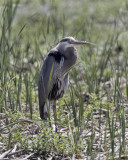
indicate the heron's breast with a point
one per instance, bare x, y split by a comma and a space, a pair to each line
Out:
59, 88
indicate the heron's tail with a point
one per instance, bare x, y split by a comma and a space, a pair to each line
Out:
44, 103
42, 100
45, 110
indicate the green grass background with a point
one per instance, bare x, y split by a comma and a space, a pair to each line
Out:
28, 30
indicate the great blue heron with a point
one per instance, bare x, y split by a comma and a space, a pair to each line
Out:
54, 74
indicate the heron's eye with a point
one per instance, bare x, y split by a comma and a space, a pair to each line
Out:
69, 41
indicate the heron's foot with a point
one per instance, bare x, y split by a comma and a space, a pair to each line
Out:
55, 128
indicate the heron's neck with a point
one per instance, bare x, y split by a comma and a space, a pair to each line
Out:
70, 57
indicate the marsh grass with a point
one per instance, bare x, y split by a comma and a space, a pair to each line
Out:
94, 124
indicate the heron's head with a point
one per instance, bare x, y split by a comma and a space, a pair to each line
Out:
71, 42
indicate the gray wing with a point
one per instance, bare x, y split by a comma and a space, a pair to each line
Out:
47, 78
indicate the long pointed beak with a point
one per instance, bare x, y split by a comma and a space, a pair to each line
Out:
82, 43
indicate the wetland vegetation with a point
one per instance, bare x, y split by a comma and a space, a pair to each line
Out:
93, 114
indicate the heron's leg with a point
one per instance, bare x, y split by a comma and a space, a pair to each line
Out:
54, 112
